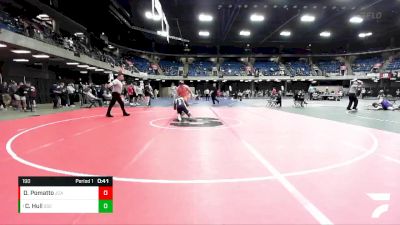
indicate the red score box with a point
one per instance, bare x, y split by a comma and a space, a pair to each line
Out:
105, 193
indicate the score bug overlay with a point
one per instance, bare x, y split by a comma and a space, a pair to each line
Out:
65, 195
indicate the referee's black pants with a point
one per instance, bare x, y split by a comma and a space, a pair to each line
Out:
116, 97
214, 99
352, 98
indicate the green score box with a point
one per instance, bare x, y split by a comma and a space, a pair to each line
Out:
105, 206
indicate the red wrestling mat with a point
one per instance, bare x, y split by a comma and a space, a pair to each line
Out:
259, 167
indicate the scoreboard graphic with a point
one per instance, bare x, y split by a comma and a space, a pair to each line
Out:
65, 195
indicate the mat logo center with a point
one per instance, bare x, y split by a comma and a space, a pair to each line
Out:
197, 122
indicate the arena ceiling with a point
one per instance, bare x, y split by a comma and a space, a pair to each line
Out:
125, 22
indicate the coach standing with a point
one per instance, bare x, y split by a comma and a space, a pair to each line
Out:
116, 94
354, 86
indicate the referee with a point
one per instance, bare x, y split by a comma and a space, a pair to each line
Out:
116, 94
355, 85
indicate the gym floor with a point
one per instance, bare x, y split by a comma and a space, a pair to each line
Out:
314, 165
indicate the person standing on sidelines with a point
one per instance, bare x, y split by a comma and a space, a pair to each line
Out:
214, 94
116, 86
207, 94
311, 91
354, 86
173, 91
148, 93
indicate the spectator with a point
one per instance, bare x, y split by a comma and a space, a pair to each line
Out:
311, 91
71, 95
273, 93
12, 88
139, 93
148, 92
3, 92
207, 94
131, 92
92, 98
240, 95
279, 98
63, 95
107, 95
155, 93
6, 95
79, 89
55, 95
31, 96
20, 96
363, 93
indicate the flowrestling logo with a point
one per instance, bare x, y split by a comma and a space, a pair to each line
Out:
197, 122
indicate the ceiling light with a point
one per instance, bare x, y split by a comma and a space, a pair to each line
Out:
21, 51
245, 33
149, 15
78, 34
99, 70
83, 66
111, 47
286, 33
91, 68
205, 17
204, 33
356, 19
325, 34
41, 56
307, 18
257, 18
3, 45
20, 60
84, 72
43, 17
162, 33
72, 63
363, 35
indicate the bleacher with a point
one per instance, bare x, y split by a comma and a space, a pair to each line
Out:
141, 64
299, 68
170, 68
9, 23
266, 68
394, 65
365, 64
329, 66
232, 68
43, 32
200, 68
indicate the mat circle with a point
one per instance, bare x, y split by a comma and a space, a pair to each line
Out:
197, 122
